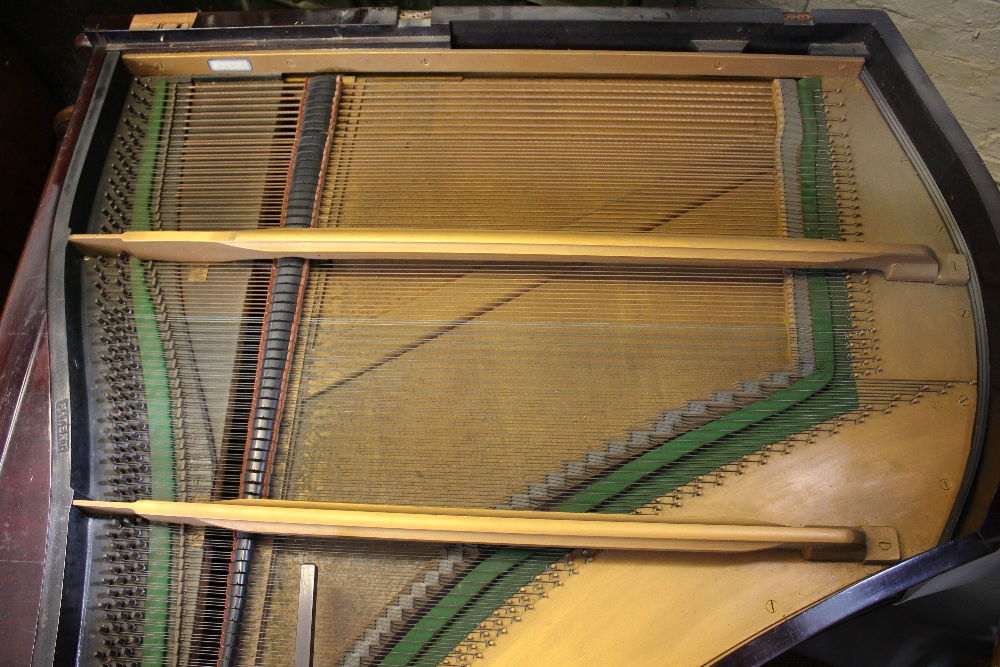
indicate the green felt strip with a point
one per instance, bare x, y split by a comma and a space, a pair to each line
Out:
481, 591
819, 205
157, 391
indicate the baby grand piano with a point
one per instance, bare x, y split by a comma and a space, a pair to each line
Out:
495, 336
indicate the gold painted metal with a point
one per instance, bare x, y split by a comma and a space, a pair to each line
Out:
908, 262
537, 529
172, 21
631, 64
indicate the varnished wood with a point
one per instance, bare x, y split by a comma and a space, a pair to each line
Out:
908, 262
538, 529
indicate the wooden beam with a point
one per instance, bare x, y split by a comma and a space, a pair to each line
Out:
908, 262
535, 529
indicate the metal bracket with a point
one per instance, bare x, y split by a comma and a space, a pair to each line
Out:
720, 45
881, 547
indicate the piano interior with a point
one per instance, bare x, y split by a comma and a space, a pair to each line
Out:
721, 392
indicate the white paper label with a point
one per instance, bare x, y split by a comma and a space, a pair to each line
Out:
230, 65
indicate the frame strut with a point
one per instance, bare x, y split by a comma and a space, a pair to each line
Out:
872, 544
908, 262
